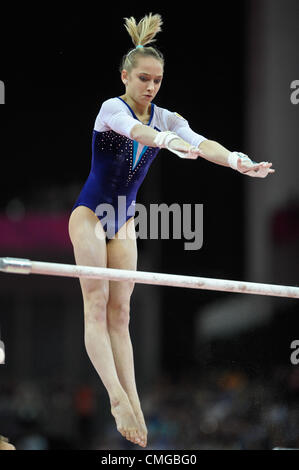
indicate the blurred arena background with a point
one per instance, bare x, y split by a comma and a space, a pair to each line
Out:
214, 370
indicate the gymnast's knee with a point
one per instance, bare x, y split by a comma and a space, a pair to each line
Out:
95, 309
118, 315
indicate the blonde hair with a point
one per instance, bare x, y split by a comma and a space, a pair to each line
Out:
141, 34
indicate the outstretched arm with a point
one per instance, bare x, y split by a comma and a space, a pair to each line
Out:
208, 149
170, 140
216, 153
114, 116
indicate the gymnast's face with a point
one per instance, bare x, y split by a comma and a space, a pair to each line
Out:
144, 80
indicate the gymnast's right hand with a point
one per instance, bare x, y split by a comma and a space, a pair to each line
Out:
176, 145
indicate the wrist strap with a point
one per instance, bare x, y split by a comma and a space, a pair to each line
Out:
234, 157
164, 138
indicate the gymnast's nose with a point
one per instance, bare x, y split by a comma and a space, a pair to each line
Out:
150, 86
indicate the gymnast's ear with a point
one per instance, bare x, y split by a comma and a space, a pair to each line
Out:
124, 76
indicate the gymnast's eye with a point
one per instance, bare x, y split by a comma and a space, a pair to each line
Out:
145, 79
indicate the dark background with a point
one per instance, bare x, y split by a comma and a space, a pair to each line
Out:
58, 67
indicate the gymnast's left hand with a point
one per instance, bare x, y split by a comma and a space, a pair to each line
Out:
255, 170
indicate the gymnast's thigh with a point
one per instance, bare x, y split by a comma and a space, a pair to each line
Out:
122, 254
89, 243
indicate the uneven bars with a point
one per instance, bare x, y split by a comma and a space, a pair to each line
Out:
25, 266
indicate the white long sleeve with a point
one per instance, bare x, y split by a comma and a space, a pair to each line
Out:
115, 116
180, 126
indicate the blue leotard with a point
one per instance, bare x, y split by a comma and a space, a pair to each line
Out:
119, 164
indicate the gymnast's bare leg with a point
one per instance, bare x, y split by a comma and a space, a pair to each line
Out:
122, 254
90, 250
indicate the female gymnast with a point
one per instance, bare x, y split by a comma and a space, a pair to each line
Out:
128, 133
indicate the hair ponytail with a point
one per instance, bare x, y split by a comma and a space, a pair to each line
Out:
142, 34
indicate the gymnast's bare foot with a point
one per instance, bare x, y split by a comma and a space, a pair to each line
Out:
141, 423
126, 422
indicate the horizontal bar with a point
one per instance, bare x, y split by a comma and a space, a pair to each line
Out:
25, 266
